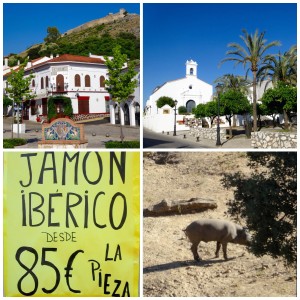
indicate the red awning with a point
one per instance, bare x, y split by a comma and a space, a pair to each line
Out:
83, 97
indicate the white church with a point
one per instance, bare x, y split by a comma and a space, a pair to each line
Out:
188, 91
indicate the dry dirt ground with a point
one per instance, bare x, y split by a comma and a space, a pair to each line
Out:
169, 269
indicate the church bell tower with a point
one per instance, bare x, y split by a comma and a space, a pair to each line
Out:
191, 68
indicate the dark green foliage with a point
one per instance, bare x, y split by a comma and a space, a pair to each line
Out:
267, 200
182, 110
124, 144
53, 35
281, 99
11, 143
14, 59
65, 101
233, 102
34, 52
200, 111
7, 101
130, 45
68, 109
51, 108
165, 100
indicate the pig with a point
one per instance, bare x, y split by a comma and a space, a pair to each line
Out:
221, 231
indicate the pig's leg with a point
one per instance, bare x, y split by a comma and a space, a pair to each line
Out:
194, 250
224, 247
218, 248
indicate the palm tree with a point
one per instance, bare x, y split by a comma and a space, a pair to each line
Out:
281, 68
254, 54
234, 82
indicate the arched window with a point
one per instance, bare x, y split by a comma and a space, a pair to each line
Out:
102, 81
33, 83
42, 83
191, 71
87, 81
77, 80
47, 81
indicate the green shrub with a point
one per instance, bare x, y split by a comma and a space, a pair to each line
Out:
7, 145
124, 144
165, 100
67, 105
182, 110
11, 143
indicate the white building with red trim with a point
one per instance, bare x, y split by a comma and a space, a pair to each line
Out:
80, 78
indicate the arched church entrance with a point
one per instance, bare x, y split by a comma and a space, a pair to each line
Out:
190, 105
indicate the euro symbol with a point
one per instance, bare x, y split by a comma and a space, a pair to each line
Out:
69, 268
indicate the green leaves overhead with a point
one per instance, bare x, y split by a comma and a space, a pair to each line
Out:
120, 83
18, 85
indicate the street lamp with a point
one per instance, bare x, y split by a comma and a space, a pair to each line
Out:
218, 89
175, 102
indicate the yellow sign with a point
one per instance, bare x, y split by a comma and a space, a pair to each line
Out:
71, 223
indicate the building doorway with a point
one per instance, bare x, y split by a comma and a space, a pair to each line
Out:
126, 114
190, 105
84, 105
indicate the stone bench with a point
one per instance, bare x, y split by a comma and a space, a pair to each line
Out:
63, 133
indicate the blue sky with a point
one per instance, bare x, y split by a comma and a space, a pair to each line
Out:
26, 24
174, 33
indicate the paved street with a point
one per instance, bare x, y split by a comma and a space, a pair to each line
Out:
160, 140
96, 132
101, 131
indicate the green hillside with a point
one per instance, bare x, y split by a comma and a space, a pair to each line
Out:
98, 40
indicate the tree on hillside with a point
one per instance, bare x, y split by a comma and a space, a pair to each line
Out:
18, 89
254, 55
120, 83
53, 35
267, 200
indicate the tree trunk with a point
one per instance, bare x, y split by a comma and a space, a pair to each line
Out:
254, 102
286, 119
121, 126
247, 126
13, 119
234, 121
18, 120
230, 127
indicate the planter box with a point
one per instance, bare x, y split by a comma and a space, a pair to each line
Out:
22, 128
